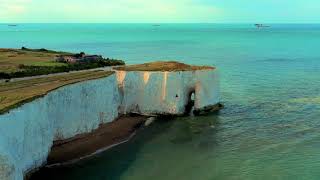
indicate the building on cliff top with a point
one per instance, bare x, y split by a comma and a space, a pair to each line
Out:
81, 58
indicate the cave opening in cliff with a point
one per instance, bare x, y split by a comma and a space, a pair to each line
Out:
190, 103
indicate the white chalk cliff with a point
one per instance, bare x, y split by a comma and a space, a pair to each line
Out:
153, 93
27, 132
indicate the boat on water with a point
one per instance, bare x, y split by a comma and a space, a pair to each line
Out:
12, 25
261, 25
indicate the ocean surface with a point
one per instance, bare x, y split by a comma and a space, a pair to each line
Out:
270, 86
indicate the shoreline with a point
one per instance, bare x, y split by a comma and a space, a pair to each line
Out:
84, 146
84, 119
91, 155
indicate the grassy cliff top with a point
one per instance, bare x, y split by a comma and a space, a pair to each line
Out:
163, 66
11, 59
14, 94
24, 62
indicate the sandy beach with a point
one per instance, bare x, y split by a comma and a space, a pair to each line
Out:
83, 145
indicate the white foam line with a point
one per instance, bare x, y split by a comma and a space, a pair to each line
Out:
90, 155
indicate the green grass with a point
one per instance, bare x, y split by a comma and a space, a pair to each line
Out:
49, 63
16, 63
10, 59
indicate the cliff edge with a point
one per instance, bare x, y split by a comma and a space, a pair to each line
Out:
75, 108
167, 88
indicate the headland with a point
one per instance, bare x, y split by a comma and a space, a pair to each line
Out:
62, 118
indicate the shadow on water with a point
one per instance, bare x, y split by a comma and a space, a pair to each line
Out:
112, 164
108, 165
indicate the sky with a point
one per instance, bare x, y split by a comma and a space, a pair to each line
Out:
160, 11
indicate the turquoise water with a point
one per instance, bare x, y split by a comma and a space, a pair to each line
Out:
269, 129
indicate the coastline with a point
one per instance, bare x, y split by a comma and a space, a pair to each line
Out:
87, 145
85, 118
269, 78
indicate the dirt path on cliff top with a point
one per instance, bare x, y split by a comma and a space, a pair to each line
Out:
108, 68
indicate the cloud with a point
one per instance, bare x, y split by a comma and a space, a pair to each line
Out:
157, 11
12, 8
109, 11
138, 11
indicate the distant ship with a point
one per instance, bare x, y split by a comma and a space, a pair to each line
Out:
261, 26
156, 25
12, 25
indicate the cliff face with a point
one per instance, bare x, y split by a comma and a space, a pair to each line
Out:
27, 133
154, 93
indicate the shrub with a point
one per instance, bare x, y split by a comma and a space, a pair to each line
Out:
44, 70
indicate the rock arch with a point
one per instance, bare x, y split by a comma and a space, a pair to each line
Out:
190, 101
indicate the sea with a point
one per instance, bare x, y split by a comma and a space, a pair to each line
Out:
270, 87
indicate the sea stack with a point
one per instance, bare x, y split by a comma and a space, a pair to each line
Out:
167, 88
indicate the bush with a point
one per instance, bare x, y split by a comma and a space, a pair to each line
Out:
4, 75
44, 70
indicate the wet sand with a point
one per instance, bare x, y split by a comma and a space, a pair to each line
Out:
69, 151
84, 145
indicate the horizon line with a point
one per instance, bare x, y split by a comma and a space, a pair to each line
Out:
159, 22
